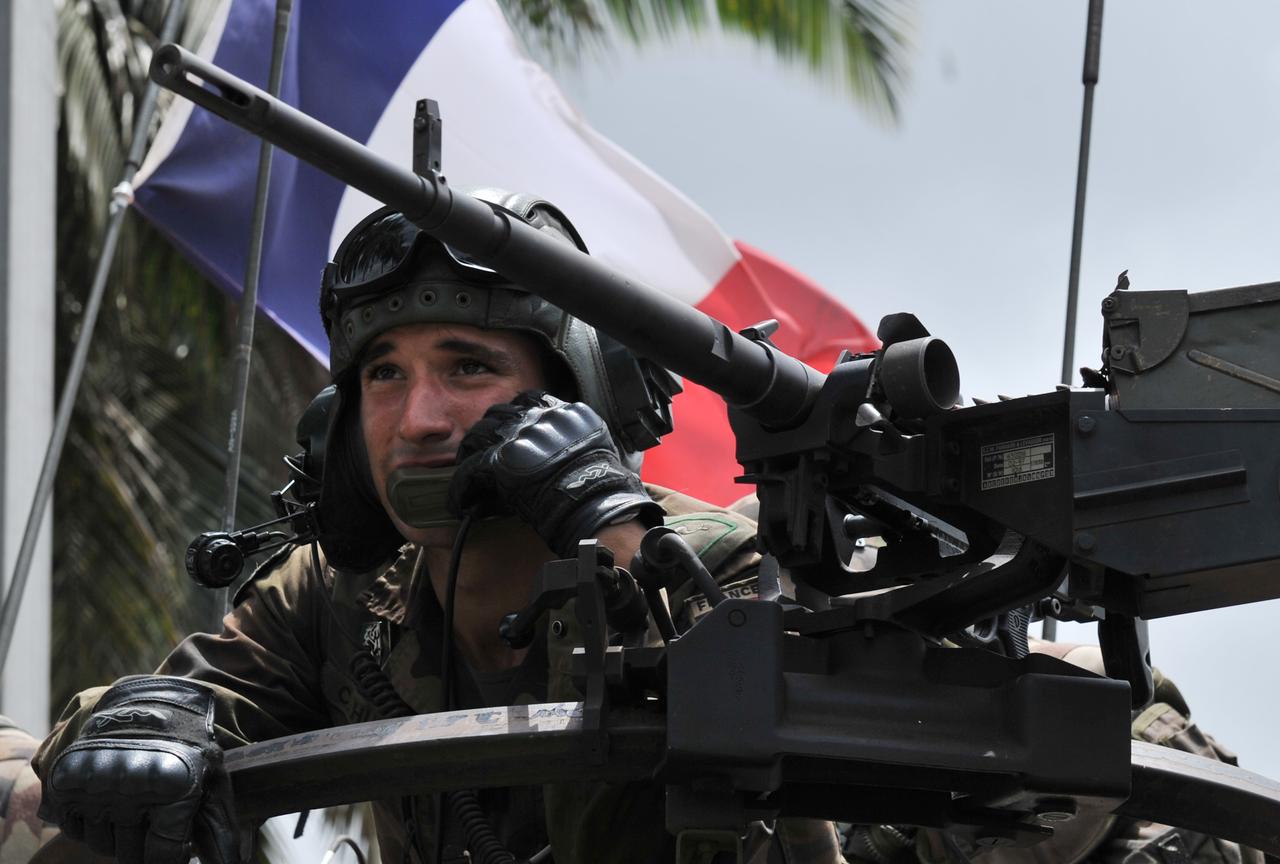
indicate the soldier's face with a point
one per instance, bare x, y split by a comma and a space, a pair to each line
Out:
422, 386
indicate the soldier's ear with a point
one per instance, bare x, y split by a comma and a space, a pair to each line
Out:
356, 533
556, 377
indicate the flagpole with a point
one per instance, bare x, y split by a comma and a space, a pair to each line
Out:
121, 199
1092, 52
243, 356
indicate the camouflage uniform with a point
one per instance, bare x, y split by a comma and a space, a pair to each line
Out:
23, 833
282, 665
1107, 840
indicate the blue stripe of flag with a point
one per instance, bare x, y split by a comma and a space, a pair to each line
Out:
343, 63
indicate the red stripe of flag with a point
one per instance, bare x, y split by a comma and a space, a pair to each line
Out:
698, 457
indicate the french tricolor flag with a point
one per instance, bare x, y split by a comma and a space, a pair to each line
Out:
361, 67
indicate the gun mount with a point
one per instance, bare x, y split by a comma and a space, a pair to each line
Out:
1118, 504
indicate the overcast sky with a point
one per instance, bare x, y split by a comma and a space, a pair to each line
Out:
961, 212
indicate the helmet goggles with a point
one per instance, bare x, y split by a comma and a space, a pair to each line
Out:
383, 251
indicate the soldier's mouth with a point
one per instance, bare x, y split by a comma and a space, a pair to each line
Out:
443, 462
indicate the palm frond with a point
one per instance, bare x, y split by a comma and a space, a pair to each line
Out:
557, 26
657, 18
862, 45
143, 468
877, 39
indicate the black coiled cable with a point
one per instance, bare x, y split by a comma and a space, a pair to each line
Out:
376, 687
464, 804
482, 842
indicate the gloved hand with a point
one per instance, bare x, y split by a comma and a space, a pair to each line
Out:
144, 781
553, 463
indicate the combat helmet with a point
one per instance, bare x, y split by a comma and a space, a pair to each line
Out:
387, 273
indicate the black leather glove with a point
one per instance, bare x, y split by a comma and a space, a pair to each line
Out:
144, 781
555, 465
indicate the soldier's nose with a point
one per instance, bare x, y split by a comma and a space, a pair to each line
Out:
426, 413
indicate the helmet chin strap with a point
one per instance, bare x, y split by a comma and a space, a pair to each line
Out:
419, 496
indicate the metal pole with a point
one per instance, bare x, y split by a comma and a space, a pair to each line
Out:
121, 198
6, 171
1092, 51
243, 355
28, 135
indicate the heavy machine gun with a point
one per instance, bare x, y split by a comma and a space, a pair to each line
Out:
1154, 493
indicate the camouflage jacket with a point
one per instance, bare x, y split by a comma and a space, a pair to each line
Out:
23, 831
282, 665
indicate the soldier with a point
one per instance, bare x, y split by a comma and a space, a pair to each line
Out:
442, 371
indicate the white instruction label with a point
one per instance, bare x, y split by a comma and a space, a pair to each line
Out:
1013, 462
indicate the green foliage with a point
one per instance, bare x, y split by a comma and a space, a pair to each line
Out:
142, 472
863, 43
859, 44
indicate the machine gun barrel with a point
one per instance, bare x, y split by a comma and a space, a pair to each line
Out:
771, 386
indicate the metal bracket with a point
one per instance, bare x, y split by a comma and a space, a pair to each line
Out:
761, 331
1126, 653
708, 822
554, 586
426, 138
590, 611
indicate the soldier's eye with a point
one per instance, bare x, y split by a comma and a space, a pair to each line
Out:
379, 372
473, 367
